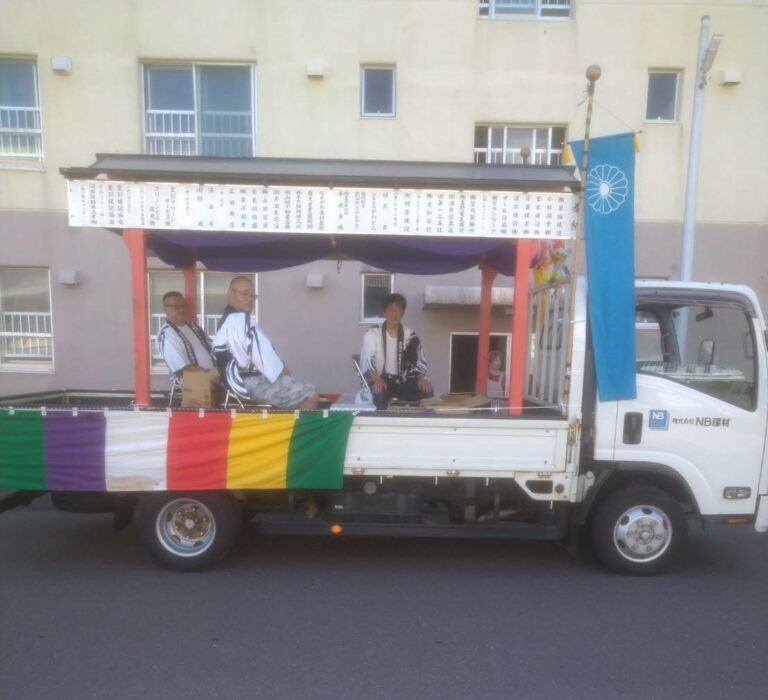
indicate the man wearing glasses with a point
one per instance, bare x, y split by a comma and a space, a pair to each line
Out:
183, 344
248, 363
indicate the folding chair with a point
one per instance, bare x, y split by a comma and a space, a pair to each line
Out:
360, 375
241, 402
231, 395
175, 387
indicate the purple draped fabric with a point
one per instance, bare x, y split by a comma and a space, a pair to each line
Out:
74, 451
418, 255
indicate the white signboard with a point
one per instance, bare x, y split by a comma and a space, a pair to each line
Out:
258, 208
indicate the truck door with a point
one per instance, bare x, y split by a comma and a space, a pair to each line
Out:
700, 407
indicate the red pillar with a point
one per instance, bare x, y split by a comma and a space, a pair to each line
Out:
135, 240
484, 331
525, 251
190, 292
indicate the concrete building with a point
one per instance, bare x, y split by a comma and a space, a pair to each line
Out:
429, 80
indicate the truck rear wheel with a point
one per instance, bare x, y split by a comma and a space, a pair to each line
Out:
638, 530
190, 532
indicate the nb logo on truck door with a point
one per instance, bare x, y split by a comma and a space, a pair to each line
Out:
658, 420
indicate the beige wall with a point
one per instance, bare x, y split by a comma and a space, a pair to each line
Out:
91, 320
453, 70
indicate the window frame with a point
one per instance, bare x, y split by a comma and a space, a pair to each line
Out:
489, 150
363, 275
378, 66
674, 363
506, 335
492, 14
48, 367
194, 67
678, 73
20, 160
157, 366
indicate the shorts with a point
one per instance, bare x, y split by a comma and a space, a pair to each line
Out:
284, 392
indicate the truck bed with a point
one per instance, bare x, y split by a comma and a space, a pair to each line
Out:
124, 399
438, 446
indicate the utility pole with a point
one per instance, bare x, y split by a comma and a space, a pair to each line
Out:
707, 51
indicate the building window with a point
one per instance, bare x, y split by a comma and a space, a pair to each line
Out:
377, 91
205, 110
504, 144
26, 326
462, 362
375, 286
211, 300
526, 9
21, 135
663, 96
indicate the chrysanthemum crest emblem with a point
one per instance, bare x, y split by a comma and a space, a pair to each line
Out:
607, 188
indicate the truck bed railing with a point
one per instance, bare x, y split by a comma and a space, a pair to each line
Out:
548, 318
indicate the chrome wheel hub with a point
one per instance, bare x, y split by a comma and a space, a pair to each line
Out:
642, 533
185, 527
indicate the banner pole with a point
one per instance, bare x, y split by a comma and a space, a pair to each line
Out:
593, 75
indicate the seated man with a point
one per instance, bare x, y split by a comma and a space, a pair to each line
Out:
249, 364
392, 358
183, 344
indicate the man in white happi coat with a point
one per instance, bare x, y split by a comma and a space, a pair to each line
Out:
392, 358
182, 343
248, 362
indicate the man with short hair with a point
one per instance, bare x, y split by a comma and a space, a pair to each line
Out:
392, 358
182, 343
249, 364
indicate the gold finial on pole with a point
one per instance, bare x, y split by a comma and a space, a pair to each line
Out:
593, 73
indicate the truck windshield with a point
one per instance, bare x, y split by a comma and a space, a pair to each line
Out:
709, 348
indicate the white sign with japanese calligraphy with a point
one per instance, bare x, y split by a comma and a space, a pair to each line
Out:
258, 208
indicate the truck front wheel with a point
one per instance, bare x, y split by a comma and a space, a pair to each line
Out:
190, 532
638, 530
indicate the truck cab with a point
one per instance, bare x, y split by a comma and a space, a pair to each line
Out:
697, 428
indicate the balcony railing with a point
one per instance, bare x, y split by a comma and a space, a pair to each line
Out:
26, 337
209, 323
226, 133
510, 156
543, 9
20, 132
170, 132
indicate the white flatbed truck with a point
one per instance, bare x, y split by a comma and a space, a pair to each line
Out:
552, 462
631, 473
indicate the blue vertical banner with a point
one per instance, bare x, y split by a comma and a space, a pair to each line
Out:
609, 232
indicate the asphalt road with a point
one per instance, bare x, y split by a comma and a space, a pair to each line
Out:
84, 613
